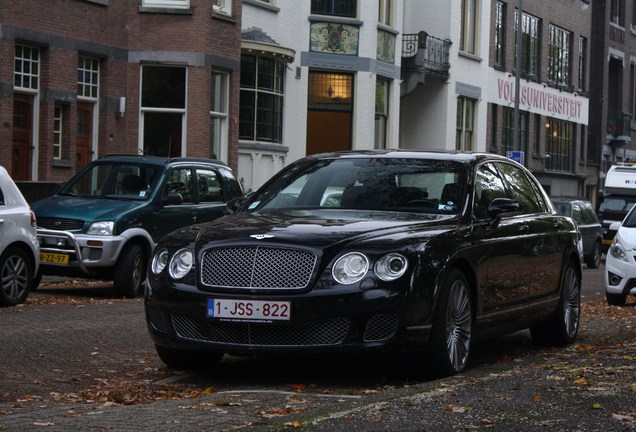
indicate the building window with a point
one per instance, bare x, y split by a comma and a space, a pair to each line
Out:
632, 88
530, 44
178, 4
58, 135
345, 8
617, 12
26, 73
163, 107
465, 123
381, 112
582, 63
222, 6
88, 78
261, 111
330, 91
500, 34
218, 116
559, 56
508, 130
469, 31
559, 141
385, 14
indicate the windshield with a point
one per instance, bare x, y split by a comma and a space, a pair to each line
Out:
114, 180
409, 185
617, 204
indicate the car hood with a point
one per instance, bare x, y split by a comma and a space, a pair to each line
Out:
86, 209
627, 237
319, 228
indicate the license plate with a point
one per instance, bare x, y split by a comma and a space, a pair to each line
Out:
53, 258
249, 309
606, 241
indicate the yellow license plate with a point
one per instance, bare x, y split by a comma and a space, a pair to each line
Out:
53, 258
606, 241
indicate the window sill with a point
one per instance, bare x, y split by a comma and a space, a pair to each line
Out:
470, 56
223, 17
165, 10
340, 20
262, 5
99, 2
62, 163
261, 146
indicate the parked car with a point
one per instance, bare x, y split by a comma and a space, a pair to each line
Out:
620, 263
370, 250
591, 230
19, 249
104, 222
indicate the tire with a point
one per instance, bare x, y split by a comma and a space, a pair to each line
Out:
130, 272
594, 260
452, 332
562, 326
615, 299
186, 359
36, 281
16, 276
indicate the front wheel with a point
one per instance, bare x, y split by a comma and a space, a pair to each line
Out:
130, 271
186, 359
16, 276
615, 299
594, 261
452, 331
562, 326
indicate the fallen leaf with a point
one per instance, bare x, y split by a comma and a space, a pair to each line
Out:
538, 398
596, 405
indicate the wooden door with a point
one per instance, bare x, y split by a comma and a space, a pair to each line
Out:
84, 136
22, 151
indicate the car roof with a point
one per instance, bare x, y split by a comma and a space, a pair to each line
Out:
158, 160
459, 156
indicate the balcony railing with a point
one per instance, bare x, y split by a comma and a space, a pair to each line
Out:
618, 124
435, 59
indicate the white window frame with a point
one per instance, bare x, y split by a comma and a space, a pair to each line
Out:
382, 114
220, 115
385, 13
177, 4
222, 6
21, 75
466, 132
58, 131
88, 89
469, 42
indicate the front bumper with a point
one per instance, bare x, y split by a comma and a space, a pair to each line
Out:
620, 276
347, 319
84, 253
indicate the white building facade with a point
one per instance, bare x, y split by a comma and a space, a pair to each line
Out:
316, 76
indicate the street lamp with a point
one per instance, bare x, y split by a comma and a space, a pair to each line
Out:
516, 145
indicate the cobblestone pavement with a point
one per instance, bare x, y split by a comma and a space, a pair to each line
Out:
78, 359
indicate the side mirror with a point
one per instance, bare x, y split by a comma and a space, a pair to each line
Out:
614, 226
502, 207
174, 198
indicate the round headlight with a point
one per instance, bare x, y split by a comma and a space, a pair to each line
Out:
350, 268
159, 261
180, 264
390, 267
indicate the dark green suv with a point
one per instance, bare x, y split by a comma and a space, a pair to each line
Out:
105, 221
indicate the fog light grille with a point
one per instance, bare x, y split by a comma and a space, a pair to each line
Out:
318, 333
157, 319
380, 327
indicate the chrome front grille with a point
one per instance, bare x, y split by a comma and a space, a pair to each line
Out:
319, 333
60, 224
257, 267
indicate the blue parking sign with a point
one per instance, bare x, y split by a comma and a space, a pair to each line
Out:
516, 156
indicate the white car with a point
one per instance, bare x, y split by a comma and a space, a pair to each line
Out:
620, 264
19, 248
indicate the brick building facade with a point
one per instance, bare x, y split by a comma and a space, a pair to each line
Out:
83, 78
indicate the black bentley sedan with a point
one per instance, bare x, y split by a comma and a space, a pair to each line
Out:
360, 250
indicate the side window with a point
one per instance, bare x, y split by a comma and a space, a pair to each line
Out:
588, 214
521, 188
2, 198
577, 212
232, 185
209, 186
488, 186
180, 181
